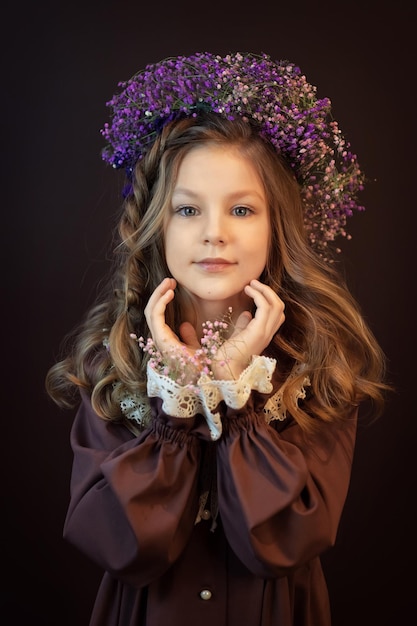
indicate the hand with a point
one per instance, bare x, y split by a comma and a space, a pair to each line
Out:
166, 341
251, 335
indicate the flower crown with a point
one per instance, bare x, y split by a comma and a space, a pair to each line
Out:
275, 95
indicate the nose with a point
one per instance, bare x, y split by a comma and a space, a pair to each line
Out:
214, 229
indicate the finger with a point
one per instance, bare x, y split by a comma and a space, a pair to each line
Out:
189, 335
155, 314
258, 289
267, 314
269, 307
242, 322
159, 299
165, 287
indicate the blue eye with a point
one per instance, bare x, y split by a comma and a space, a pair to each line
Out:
241, 211
187, 211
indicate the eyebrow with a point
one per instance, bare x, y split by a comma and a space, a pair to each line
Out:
241, 193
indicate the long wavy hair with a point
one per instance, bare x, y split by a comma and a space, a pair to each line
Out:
324, 336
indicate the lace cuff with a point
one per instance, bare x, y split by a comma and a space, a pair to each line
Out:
204, 397
275, 407
133, 405
189, 400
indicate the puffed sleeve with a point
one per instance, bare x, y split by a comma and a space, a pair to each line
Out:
281, 492
133, 499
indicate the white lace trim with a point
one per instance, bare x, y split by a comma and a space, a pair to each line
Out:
133, 405
187, 401
203, 397
275, 407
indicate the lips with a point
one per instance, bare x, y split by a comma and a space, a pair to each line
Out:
215, 264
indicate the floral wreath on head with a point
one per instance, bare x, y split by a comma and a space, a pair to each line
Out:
276, 95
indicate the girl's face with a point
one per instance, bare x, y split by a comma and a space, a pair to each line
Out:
218, 230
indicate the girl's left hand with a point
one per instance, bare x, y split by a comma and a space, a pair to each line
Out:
251, 334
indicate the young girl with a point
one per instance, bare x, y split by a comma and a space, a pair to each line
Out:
221, 372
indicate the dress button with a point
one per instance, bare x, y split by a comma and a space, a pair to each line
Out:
206, 514
205, 594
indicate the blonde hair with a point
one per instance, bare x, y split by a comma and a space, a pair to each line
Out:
324, 331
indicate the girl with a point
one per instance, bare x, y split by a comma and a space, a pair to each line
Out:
221, 371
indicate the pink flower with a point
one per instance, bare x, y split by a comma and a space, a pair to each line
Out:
186, 367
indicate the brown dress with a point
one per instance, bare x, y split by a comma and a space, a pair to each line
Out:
253, 559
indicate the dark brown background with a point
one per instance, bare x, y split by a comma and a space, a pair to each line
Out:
61, 63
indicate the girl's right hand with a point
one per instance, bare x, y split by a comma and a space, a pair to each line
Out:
166, 341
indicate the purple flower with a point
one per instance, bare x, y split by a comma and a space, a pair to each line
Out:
273, 93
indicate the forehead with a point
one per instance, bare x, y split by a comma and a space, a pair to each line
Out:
219, 165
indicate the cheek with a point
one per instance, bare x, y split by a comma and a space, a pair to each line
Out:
169, 256
259, 244
169, 243
255, 260
174, 253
